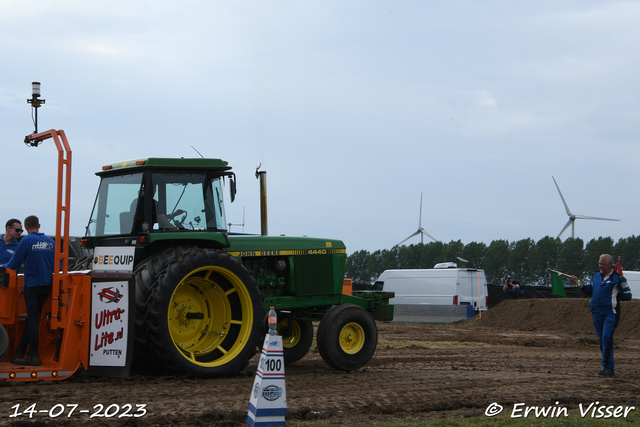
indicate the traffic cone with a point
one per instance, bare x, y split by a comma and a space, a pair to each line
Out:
268, 402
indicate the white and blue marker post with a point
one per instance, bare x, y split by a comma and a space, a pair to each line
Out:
268, 402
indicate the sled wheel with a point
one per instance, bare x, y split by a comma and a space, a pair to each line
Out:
4, 343
205, 315
347, 337
297, 340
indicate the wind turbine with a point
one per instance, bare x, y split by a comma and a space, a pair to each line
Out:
421, 231
572, 217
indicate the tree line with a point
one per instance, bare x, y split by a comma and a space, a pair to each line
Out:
525, 260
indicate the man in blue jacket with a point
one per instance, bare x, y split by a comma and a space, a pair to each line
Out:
607, 288
9, 240
36, 250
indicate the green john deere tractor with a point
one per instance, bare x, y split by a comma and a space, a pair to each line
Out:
201, 295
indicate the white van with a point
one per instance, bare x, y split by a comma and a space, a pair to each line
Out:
633, 279
437, 286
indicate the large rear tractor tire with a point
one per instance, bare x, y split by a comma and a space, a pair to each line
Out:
204, 314
146, 276
347, 337
296, 344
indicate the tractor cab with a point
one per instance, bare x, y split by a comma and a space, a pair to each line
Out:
158, 199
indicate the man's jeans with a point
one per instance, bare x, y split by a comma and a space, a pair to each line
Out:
515, 292
34, 299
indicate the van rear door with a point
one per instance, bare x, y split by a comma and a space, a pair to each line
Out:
472, 288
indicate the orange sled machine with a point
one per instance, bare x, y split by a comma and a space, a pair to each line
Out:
85, 323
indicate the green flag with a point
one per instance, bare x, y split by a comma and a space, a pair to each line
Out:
557, 287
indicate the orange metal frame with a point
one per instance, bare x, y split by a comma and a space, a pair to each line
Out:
70, 304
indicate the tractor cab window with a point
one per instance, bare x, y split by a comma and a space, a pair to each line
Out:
186, 202
110, 215
218, 204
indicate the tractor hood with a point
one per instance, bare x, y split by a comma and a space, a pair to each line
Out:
246, 246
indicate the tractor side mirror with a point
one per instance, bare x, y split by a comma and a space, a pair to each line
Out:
232, 189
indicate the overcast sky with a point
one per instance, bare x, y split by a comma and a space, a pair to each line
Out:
354, 108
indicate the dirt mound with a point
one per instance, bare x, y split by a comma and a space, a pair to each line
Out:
569, 315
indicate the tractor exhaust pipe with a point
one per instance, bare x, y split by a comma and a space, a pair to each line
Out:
262, 176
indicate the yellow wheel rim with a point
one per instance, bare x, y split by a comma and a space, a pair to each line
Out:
210, 316
352, 338
296, 333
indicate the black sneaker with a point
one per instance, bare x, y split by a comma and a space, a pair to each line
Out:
29, 360
607, 372
19, 355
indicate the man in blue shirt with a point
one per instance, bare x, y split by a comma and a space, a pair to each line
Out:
36, 250
607, 288
9, 241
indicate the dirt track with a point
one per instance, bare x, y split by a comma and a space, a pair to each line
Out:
536, 352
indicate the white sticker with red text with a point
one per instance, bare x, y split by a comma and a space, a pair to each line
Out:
109, 322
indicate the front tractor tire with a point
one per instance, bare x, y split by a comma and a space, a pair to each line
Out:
296, 340
204, 314
347, 337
